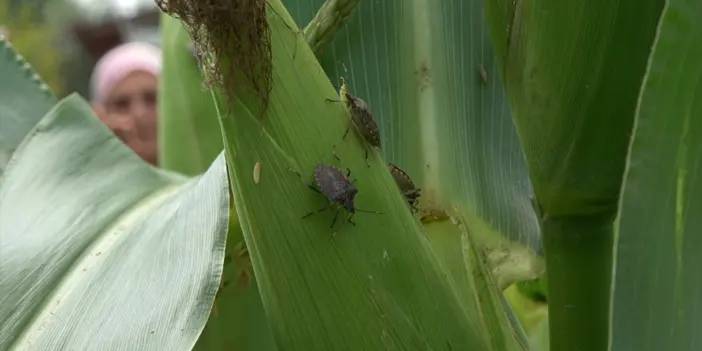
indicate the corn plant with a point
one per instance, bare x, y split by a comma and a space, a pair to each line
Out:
542, 134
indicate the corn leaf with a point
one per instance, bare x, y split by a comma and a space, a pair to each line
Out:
190, 138
189, 135
372, 285
657, 287
24, 99
481, 296
237, 320
99, 250
428, 72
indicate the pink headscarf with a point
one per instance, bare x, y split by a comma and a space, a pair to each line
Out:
119, 62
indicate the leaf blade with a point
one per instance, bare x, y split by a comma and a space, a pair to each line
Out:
370, 286
573, 72
24, 99
188, 131
75, 226
657, 247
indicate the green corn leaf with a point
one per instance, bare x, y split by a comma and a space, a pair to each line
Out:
189, 135
372, 285
24, 99
571, 79
190, 138
481, 297
657, 287
237, 320
573, 72
533, 313
99, 250
428, 72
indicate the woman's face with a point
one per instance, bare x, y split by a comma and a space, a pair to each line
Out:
130, 110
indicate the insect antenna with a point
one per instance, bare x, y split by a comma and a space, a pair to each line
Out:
368, 211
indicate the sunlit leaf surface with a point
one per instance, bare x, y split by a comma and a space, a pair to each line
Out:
98, 250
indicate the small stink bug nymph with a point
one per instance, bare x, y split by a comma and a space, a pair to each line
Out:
338, 189
361, 117
406, 185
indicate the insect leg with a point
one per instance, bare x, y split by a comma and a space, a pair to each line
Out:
318, 211
348, 175
334, 153
346, 132
314, 188
336, 214
350, 219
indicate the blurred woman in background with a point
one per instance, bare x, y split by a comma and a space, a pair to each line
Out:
124, 89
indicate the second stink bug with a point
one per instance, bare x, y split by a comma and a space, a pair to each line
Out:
406, 185
361, 117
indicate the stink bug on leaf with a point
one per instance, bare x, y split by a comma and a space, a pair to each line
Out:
406, 185
338, 189
361, 117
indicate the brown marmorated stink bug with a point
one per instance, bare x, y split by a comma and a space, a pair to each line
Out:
406, 185
338, 189
361, 117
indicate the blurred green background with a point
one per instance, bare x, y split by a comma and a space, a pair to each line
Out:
62, 39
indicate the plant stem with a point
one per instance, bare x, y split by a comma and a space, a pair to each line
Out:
579, 268
331, 16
